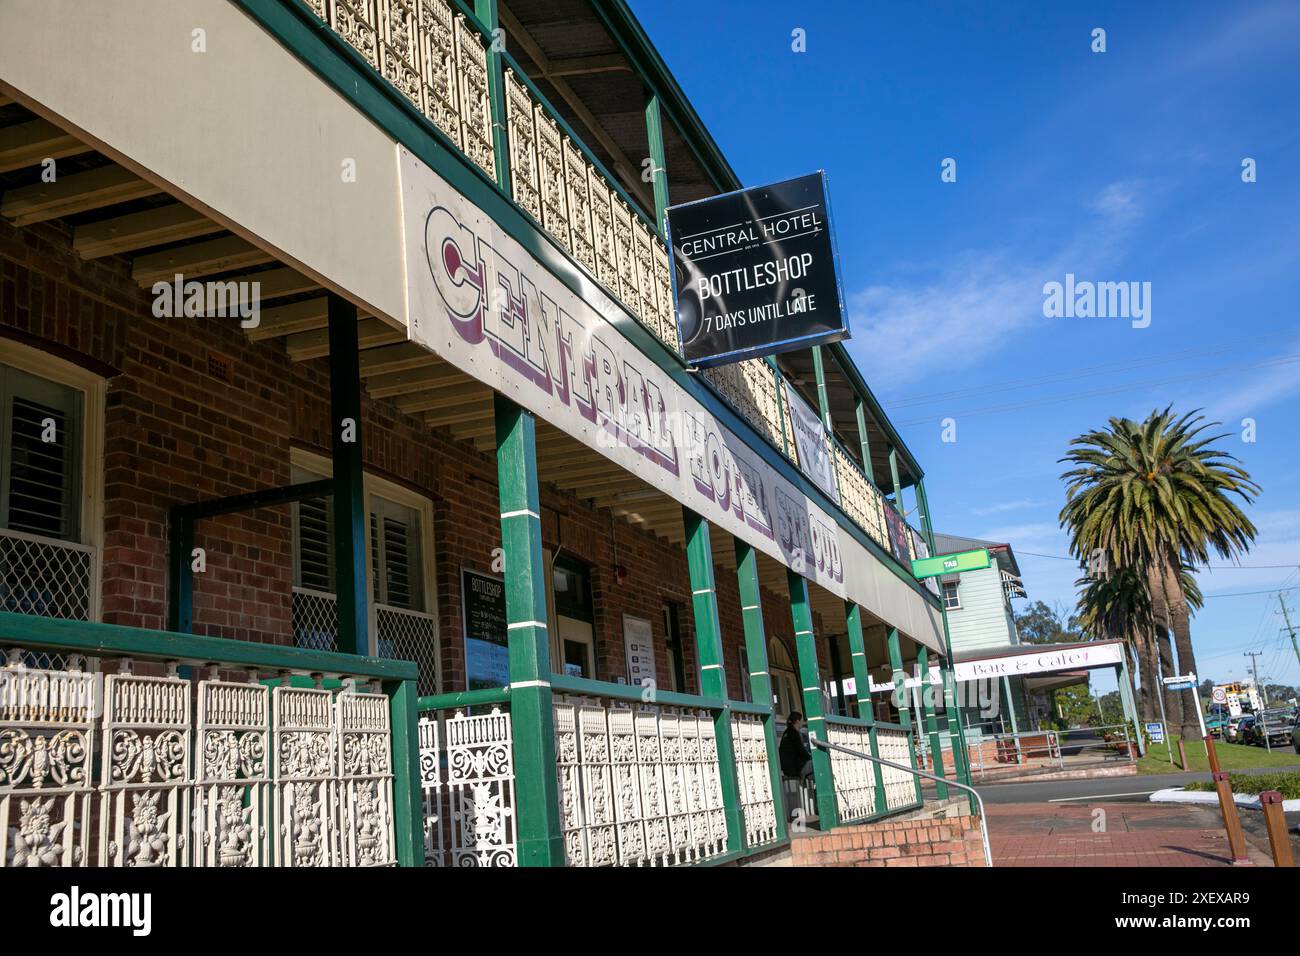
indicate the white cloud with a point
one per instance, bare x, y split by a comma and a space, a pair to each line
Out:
1018, 505
974, 302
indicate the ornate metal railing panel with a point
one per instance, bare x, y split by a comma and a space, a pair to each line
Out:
860, 498
145, 789
855, 778
469, 805
140, 770
431, 55
900, 786
47, 725
751, 388
306, 784
638, 785
232, 785
45, 576
754, 775
365, 780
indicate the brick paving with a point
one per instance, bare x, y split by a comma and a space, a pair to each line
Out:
1061, 834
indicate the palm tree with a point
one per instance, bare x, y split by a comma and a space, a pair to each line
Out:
1118, 605
1157, 498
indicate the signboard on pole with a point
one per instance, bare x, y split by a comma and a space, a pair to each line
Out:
755, 272
1156, 731
811, 443
951, 563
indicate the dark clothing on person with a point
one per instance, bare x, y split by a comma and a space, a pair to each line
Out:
795, 757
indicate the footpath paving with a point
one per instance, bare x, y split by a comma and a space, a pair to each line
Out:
1126, 834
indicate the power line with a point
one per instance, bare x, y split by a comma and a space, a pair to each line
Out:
1206, 567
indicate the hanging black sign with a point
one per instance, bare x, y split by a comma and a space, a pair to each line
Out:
755, 272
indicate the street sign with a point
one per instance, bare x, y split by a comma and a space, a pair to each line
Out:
1219, 695
951, 563
1181, 681
755, 272
1156, 731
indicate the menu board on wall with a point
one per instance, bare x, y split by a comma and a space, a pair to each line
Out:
639, 642
487, 659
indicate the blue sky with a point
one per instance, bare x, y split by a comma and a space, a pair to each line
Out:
1116, 166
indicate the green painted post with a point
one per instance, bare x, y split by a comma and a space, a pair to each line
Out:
898, 487
859, 408
810, 679
537, 805
486, 11
659, 167
760, 679
862, 687
931, 721
349, 487
713, 676
824, 407
1126, 699
900, 694
408, 803
780, 403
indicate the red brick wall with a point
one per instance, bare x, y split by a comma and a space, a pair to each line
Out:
954, 841
175, 433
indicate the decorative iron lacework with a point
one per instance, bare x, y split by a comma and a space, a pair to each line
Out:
232, 786
637, 785
329, 803
47, 724
469, 805
754, 775
900, 786
145, 789
855, 778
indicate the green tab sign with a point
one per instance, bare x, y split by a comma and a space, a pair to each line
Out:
951, 563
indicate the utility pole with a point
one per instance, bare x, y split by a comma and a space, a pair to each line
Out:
1286, 615
1259, 718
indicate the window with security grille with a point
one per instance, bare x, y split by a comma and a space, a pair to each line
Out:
403, 626
40, 468
44, 568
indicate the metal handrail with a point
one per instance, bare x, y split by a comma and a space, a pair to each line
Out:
984, 828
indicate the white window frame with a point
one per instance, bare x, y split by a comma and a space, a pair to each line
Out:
93, 388
956, 591
375, 486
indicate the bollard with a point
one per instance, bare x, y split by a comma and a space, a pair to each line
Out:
1275, 822
1231, 823
1182, 754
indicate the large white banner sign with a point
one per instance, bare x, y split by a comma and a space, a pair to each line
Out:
480, 300
1015, 665
811, 443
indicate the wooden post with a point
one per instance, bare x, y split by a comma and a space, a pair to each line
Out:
1279, 840
1231, 822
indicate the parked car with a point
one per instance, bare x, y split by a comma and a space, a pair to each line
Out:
1295, 734
1216, 722
1245, 729
1276, 724
1231, 732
